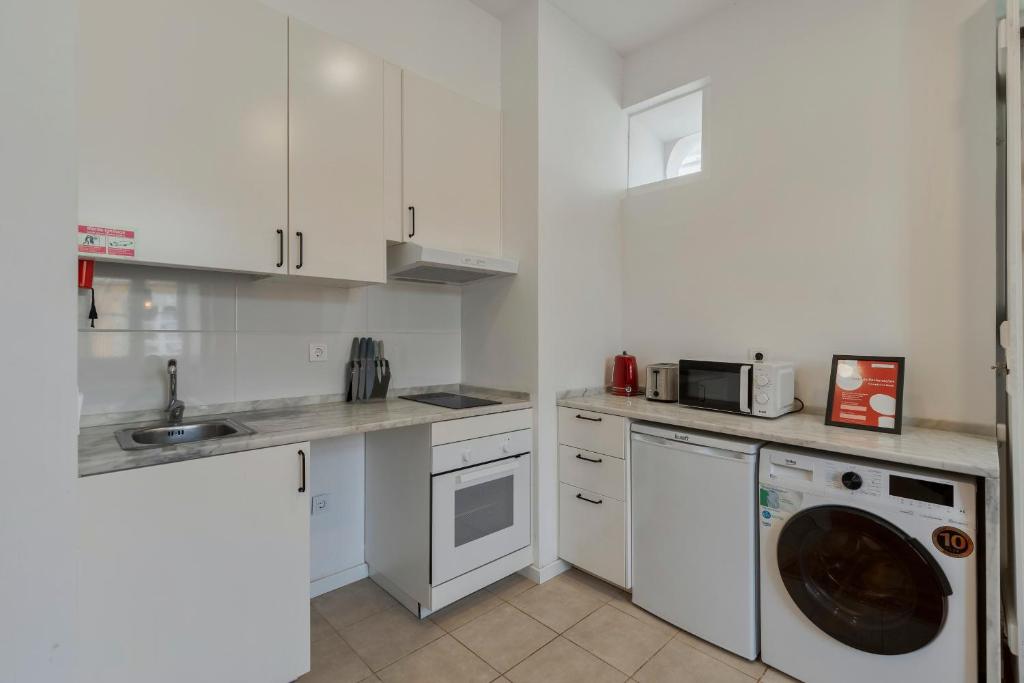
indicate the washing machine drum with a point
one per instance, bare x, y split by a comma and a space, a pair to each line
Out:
862, 580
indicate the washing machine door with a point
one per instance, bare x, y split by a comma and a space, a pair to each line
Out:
862, 580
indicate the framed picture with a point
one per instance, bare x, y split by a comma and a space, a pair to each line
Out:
866, 392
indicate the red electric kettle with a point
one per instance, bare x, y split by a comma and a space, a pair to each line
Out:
624, 375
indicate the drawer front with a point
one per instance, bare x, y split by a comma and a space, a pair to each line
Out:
592, 535
594, 432
592, 471
465, 428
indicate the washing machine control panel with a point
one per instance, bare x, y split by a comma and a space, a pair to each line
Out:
855, 479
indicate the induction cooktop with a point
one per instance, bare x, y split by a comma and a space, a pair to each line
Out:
449, 400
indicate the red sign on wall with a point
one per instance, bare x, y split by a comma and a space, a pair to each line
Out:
866, 393
106, 241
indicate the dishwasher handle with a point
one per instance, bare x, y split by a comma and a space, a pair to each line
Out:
720, 453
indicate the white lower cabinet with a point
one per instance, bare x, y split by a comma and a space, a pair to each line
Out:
591, 532
594, 494
196, 571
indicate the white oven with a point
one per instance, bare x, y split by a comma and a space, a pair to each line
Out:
480, 502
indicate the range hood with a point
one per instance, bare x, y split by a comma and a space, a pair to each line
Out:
417, 263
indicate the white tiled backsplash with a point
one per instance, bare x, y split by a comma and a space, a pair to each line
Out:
241, 339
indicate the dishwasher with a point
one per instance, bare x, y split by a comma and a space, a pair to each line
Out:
695, 532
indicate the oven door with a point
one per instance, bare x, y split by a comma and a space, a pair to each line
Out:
479, 514
717, 386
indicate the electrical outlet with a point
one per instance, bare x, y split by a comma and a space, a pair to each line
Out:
757, 354
321, 504
317, 353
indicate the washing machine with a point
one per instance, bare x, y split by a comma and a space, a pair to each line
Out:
868, 571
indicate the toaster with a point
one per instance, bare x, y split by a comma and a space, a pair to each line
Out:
663, 382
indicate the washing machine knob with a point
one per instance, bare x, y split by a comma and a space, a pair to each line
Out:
852, 480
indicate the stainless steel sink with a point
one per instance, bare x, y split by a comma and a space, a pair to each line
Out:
158, 436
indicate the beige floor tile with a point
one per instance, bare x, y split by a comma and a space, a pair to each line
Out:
560, 602
332, 660
643, 615
445, 659
677, 662
753, 669
465, 610
511, 586
617, 638
387, 636
319, 628
504, 636
352, 603
773, 676
563, 662
610, 591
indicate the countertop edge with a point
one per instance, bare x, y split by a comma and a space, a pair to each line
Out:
269, 439
774, 432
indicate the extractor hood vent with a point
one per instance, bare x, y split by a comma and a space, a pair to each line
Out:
416, 263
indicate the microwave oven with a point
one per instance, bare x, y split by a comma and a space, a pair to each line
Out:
762, 389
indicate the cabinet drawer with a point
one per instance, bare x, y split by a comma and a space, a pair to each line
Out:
595, 432
592, 535
606, 476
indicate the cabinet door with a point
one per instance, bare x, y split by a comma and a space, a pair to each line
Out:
592, 532
451, 169
196, 571
336, 182
183, 129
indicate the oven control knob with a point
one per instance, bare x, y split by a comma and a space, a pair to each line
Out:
852, 480
761, 380
761, 397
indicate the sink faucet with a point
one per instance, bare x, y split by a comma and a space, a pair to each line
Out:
175, 408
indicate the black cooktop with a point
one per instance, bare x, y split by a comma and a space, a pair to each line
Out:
453, 401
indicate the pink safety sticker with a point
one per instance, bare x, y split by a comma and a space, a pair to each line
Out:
109, 241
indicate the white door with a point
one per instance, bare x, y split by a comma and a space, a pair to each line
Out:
451, 169
478, 515
183, 108
336, 134
196, 571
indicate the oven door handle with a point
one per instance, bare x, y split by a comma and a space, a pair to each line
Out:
489, 473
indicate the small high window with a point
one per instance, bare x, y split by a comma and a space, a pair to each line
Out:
665, 136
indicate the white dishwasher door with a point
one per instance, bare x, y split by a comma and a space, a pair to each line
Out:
695, 534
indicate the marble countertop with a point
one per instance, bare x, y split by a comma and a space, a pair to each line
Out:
932, 448
99, 453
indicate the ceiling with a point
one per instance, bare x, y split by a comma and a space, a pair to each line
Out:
626, 25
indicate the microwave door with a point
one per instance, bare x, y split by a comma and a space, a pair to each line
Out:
746, 373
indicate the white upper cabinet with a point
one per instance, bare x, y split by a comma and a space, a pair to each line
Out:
183, 110
336, 167
451, 169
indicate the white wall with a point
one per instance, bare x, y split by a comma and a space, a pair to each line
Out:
336, 468
582, 173
238, 339
499, 316
38, 463
848, 200
452, 42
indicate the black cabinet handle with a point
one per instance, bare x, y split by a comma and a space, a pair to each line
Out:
299, 264
302, 464
594, 460
582, 497
588, 419
412, 231
280, 248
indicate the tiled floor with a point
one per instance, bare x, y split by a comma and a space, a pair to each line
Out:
572, 628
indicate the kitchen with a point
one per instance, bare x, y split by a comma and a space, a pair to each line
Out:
834, 193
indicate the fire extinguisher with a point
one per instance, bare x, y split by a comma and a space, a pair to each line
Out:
86, 269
